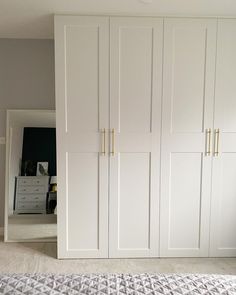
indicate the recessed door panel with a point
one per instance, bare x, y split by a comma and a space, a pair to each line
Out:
225, 108
227, 202
134, 193
135, 89
82, 78
135, 100
84, 201
188, 78
223, 217
185, 200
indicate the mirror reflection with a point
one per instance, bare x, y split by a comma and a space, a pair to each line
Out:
31, 180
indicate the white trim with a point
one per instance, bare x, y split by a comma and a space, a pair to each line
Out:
6, 177
149, 15
2, 140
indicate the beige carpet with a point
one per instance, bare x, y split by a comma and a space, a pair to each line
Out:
41, 257
32, 227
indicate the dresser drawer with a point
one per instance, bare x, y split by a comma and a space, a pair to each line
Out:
31, 189
25, 181
33, 181
31, 206
31, 197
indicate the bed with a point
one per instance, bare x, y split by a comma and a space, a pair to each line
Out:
117, 284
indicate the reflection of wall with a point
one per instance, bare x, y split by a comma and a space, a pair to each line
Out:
16, 139
17, 120
26, 82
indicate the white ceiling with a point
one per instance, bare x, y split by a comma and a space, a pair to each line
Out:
34, 18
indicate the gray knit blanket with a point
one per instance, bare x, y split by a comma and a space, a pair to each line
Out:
173, 284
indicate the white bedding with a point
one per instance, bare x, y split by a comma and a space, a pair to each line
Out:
172, 284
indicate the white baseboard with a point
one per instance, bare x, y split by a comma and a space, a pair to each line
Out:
1, 231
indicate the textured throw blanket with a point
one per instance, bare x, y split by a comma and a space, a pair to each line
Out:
117, 284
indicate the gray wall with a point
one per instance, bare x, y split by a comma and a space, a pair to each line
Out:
26, 82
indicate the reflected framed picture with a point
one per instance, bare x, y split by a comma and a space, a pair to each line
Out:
28, 168
42, 168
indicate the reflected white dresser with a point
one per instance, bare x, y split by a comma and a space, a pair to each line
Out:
31, 194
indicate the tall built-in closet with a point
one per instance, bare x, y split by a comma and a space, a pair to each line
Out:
198, 154
109, 83
146, 136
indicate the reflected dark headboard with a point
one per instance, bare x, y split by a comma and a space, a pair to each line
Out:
39, 145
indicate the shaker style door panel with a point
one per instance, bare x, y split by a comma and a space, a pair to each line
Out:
82, 101
188, 94
135, 111
223, 217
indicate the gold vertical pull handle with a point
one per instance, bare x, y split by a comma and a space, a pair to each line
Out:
216, 142
208, 142
103, 142
113, 142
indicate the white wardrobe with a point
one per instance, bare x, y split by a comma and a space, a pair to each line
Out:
198, 170
108, 75
146, 142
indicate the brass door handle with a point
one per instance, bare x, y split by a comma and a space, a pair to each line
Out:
113, 142
103, 142
216, 142
208, 142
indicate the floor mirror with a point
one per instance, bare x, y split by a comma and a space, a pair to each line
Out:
31, 180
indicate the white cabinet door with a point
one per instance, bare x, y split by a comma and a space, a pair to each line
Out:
135, 106
82, 100
188, 93
223, 204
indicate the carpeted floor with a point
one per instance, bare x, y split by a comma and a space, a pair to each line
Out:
32, 227
41, 258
